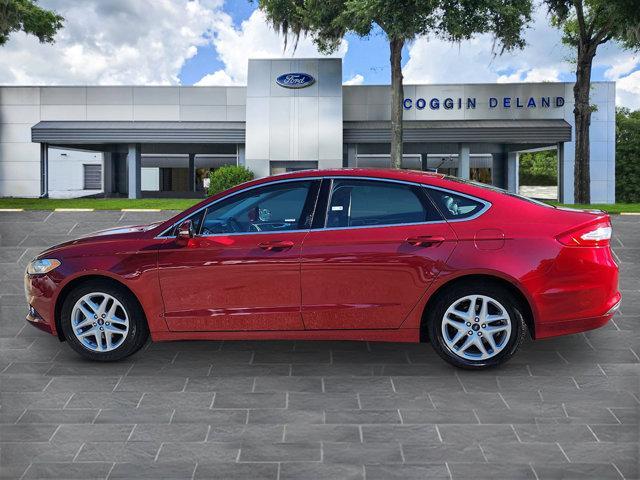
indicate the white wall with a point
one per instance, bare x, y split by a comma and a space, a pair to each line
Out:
66, 172
150, 179
283, 124
23, 107
19, 158
286, 124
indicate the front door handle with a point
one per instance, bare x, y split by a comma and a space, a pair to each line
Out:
276, 245
425, 241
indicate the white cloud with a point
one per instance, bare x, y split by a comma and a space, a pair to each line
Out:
219, 77
115, 42
531, 75
436, 61
628, 91
357, 79
621, 69
623, 64
545, 58
253, 39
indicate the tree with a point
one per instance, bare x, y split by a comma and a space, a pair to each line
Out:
539, 168
587, 24
28, 17
328, 21
627, 155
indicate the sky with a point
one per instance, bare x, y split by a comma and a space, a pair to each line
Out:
208, 42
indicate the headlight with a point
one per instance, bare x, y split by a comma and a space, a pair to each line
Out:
44, 265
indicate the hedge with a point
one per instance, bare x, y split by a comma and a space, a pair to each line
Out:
223, 178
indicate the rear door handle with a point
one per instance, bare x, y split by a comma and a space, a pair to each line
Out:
425, 241
276, 245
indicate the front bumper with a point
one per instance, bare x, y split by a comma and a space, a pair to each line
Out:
35, 319
39, 291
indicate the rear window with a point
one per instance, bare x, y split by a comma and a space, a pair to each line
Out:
500, 190
454, 206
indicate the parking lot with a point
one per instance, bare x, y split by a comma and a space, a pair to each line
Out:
561, 408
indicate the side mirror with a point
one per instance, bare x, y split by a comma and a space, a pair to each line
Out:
185, 232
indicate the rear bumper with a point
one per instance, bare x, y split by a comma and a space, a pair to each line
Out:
567, 327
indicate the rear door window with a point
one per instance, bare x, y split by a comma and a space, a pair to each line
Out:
366, 203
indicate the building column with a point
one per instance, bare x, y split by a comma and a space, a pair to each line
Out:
192, 172
107, 173
44, 170
512, 172
561, 177
464, 152
134, 165
352, 154
242, 160
498, 167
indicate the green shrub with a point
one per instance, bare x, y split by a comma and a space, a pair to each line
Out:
224, 178
627, 156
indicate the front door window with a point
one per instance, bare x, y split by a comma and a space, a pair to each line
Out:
273, 208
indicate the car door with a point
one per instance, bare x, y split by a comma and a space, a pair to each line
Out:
242, 269
382, 245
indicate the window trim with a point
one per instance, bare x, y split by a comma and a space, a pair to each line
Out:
486, 204
165, 233
420, 194
329, 179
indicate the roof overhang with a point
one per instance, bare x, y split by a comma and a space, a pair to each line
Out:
433, 131
445, 131
58, 132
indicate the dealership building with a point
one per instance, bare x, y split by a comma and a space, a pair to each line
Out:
148, 141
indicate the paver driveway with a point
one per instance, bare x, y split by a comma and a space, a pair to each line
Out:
563, 408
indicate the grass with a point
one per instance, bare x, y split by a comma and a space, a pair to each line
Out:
98, 203
183, 203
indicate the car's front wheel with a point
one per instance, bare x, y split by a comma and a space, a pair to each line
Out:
103, 321
476, 326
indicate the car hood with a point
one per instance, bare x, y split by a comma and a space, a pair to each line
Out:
123, 230
117, 233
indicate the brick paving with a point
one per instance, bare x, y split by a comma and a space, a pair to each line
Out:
562, 408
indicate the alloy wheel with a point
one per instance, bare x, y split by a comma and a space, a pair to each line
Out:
99, 322
476, 327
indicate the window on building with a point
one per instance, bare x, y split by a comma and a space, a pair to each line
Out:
358, 203
278, 167
92, 177
455, 207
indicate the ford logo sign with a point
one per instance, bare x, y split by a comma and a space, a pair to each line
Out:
295, 80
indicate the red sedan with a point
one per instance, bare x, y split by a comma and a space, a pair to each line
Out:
378, 255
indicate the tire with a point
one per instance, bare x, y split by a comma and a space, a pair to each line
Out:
124, 335
503, 321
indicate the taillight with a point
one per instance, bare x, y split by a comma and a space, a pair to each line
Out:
593, 235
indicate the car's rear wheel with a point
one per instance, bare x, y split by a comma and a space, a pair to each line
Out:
103, 321
476, 326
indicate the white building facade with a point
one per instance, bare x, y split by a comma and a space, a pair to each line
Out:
293, 114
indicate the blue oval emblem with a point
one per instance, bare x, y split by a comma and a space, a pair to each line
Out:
295, 80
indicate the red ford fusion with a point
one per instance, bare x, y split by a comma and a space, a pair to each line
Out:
377, 255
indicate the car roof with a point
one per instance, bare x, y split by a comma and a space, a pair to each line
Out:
394, 174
